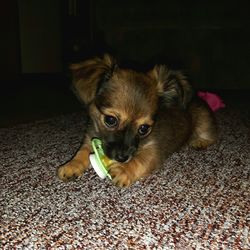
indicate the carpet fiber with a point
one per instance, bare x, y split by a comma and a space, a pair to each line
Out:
198, 200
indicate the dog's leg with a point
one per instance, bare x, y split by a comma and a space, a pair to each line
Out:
125, 174
75, 167
204, 127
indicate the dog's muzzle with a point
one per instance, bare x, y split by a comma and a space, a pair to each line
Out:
121, 146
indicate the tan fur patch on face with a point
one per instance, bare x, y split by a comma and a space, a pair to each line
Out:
145, 120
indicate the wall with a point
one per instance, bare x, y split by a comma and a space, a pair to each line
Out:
208, 39
40, 36
9, 42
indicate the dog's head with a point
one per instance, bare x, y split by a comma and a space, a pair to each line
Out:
123, 103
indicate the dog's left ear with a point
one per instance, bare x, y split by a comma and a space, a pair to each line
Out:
172, 86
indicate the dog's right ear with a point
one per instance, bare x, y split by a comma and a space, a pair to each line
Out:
89, 75
172, 86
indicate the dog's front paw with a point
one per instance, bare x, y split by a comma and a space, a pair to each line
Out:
120, 177
70, 171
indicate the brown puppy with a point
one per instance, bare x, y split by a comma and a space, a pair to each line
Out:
140, 118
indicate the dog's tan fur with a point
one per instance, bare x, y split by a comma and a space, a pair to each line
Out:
161, 99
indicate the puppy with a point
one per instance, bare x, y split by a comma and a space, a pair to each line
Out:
141, 118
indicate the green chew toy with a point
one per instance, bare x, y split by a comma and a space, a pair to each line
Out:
99, 161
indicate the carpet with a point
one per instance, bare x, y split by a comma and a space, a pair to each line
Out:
198, 200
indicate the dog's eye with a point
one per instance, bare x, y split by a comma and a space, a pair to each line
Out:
144, 129
110, 121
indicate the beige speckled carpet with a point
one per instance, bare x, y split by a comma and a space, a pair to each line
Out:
199, 200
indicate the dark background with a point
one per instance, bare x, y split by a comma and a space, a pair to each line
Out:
210, 40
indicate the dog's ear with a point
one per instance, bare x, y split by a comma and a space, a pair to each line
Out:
172, 86
89, 75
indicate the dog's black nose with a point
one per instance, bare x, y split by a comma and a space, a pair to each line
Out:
121, 157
